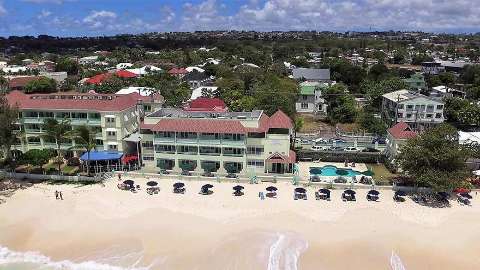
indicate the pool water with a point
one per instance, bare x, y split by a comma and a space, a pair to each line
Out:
330, 170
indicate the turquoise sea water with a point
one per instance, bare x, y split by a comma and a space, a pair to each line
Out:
331, 170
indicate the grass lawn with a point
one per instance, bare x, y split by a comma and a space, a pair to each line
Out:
380, 171
70, 169
312, 125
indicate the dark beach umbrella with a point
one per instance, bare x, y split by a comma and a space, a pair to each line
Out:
238, 188
300, 190
466, 195
373, 192
207, 186
129, 182
152, 183
178, 185
349, 192
271, 189
400, 193
324, 191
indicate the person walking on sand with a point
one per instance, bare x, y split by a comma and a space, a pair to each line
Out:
56, 194
61, 195
119, 177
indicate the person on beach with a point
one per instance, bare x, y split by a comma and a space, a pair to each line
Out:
56, 194
119, 177
61, 195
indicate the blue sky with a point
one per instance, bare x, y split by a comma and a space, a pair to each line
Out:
107, 17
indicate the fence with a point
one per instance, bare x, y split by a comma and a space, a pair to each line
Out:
341, 156
59, 178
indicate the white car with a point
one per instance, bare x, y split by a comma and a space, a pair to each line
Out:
351, 149
319, 148
320, 140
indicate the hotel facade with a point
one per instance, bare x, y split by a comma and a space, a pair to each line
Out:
217, 142
112, 116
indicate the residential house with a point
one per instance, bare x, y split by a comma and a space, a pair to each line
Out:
417, 110
197, 79
416, 82
311, 74
442, 91
203, 90
204, 104
19, 82
310, 99
397, 136
88, 60
113, 117
241, 143
59, 77
432, 68
144, 70
178, 72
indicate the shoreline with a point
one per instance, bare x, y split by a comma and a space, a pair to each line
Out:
177, 231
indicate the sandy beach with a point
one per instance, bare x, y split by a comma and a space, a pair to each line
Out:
102, 227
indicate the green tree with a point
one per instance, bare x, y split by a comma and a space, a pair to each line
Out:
372, 124
273, 93
59, 132
341, 105
375, 89
41, 85
85, 139
68, 65
37, 157
378, 71
8, 127
3, 85
435, 159
447, 78
298, 123
111, 85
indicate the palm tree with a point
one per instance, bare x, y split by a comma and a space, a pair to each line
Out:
297, 126
85, 140
59, 132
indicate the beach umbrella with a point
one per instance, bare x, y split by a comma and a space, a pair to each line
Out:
400, 193
271, 189
373, 192
207, 186
324, 191
300, 190
178, 185
129, 182
349, 192
152, 183
238, 188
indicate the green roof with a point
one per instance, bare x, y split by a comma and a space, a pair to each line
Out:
307, 90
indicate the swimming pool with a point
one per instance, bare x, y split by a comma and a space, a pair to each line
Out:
331, 170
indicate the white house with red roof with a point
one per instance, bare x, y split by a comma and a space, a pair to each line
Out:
398, 136
113, 116
218, 143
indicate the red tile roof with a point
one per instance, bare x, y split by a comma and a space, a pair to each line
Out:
98, 79
402, 131
279, 158
20, 82
200, 125
177, 71
280, 120
263, 124
206, 104
65, 101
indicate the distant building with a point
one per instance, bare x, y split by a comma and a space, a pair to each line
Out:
200, 91
311, 74
88, 60
432, 68
310, 99
417, 110
197, 79
442, 91
416, 82
396, 137
59, 77
204, 104
19, 83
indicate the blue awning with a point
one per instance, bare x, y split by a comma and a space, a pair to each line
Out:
102, 155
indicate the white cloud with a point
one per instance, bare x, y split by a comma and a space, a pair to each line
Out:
97, 19
44, 14
3, 10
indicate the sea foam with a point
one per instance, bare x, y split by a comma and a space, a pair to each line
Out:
285, 251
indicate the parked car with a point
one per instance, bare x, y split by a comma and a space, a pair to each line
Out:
379, 140
305, 141
337, 140
335, 148
319, 148
351, 149
320, 141
370, 150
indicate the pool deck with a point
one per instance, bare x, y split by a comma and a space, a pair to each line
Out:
305, 167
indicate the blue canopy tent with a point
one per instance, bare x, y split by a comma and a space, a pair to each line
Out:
102, 157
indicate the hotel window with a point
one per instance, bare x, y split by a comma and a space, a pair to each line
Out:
256, 163
400, 106
438, 115
165, 148
430, 107
439, 107
111, 133
147, 108
110, 120
148, 158
99, 142
305, 97
399, 115
409, 107
112, 147
147, 144
409, 115
304, 105
253, 150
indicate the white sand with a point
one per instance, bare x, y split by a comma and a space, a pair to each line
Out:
220, 231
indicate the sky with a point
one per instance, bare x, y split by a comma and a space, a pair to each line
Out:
109, 17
